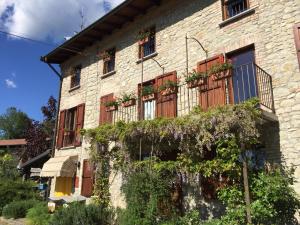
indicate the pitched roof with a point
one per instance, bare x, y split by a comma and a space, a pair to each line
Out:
12, 142
115, 19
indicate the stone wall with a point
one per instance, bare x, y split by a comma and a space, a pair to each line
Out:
269, 28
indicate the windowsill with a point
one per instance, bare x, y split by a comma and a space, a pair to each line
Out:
67, 147
147, 57
238, 16
74, 88
108, 74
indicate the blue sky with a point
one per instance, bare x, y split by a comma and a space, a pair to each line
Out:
25, 82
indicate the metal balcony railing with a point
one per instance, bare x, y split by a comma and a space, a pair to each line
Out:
247, 81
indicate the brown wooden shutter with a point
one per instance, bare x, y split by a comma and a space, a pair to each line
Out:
61, 126
79, 123
166, 106
213, 93
105, 117
297, 40
87, 179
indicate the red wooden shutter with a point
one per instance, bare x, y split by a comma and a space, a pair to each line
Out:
79, 123
297, 40
166, 106
105, 117
213, 93
61, 126
87, 179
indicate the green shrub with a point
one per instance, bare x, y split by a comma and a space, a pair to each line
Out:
18, 209
81, 214
15, 190
38, 215
148, 197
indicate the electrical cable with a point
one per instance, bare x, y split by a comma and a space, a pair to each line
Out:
40, 42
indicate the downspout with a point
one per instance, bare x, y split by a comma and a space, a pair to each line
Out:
43, 59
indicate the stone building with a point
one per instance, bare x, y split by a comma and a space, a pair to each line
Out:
150, 42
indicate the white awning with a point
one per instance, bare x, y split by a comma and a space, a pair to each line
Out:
62, 166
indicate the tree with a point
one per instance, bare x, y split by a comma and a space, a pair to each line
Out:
36, 139
49, 113
13, 124
38, 134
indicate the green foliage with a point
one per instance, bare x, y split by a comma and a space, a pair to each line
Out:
168, 84
8, 167
18, 209
220, 67
148, 90
192, 76
111, 103
13, 124
82, 214
15, 190
127, 97
38, 215
148, 197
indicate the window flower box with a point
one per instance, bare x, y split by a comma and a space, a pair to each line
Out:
148, 97
169, 91
221, 71
169, 87
148, 93
111, 106
195, 79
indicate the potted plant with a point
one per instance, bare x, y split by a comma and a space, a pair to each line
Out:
195, 79
148, 93
220, 71
111, 105
144, 36
168, 87
107, 55
128, 100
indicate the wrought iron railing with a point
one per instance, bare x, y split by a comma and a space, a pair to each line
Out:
69, 138
247, 81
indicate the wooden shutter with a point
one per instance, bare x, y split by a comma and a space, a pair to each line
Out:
87, 179
105, 117
61, 126
214, 92
166, 106
297, 40
79, 123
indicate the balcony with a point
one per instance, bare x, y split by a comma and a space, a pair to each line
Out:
247, 81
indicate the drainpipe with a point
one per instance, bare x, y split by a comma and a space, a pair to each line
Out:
43, 59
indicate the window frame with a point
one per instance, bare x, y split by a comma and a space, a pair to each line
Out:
72, 112
151, 38
225, 8
112, 60
75, 77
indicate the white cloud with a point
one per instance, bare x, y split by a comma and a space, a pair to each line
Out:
10, 83
43, 19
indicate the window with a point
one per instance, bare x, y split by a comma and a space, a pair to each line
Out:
109, 61
70, 124
149, 109
234, 7
69, 127
75, 77
146, 42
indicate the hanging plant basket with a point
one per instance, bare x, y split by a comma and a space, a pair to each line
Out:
148, 97
221, 75
196, 83
169, 91
128, 103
